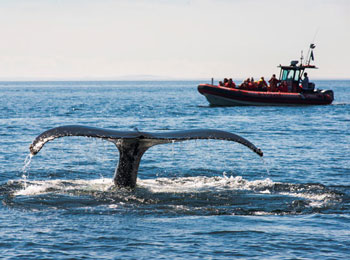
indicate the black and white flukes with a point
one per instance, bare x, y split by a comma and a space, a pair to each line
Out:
133, 144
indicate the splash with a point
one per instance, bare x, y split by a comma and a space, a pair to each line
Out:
27, 162
187, 195
64, 187
315, 195
26, 166
203, 184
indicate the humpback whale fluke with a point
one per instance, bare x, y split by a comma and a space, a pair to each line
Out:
133, 144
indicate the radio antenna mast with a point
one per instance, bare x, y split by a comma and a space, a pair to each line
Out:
301, 58
310, 54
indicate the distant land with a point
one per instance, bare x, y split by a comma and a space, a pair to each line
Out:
135, 77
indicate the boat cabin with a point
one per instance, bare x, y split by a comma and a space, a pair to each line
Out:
292, 75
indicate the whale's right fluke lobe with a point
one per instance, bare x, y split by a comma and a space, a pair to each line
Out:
133, 144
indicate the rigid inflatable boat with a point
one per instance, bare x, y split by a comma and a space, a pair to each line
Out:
223, 96
288, 90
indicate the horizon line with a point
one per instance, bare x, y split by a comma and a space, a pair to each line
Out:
147, 78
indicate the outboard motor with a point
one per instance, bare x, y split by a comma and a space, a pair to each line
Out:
328, 92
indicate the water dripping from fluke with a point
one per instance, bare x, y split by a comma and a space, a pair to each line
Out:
26, 166
266, 166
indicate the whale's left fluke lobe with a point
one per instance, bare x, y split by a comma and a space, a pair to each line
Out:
207, 134
133, 144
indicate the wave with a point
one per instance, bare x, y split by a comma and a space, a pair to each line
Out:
188, 195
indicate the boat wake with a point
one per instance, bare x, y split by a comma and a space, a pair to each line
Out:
175, 196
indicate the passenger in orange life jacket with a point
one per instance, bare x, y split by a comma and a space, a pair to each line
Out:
252, 84
225, 81
221, 84
244, 84
283, 87
247, 83
262, 85
230, 84
273, 83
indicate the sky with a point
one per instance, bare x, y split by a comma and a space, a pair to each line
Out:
170, 39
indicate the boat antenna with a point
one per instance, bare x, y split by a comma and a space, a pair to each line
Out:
301, 58
313, 40
310, 53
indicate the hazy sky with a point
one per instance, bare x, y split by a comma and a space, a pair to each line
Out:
105, 39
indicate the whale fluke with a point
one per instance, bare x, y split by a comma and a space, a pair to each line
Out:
133, 144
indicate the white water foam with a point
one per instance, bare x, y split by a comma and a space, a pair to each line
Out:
315, 200
265, 186
202, 184
183, 185
42, 187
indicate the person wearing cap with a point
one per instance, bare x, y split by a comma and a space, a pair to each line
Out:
262, 85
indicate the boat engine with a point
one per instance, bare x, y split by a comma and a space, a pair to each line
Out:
328, 92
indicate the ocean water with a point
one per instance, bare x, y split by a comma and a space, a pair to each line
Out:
202, 199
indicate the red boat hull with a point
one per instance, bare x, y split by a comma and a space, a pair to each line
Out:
222, 96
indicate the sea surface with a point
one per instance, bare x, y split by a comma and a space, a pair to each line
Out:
201, 199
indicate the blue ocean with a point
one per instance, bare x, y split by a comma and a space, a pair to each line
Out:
199, 199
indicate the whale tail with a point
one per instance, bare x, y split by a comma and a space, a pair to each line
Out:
133, 144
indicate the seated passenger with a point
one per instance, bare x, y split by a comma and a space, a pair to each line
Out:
252, 85
221, 84
273, 83
225, 81
244, 84
230, 84
233, 83
262, 85
306, 85
283, 87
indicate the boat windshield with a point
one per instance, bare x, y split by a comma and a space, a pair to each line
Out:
290, 75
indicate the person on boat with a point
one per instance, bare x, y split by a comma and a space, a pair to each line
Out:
247, 83
305, 84
252, 85
273, 83
221, 84
262, 85
230, 84
283, 87
244, 84
233, 83
225, 81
